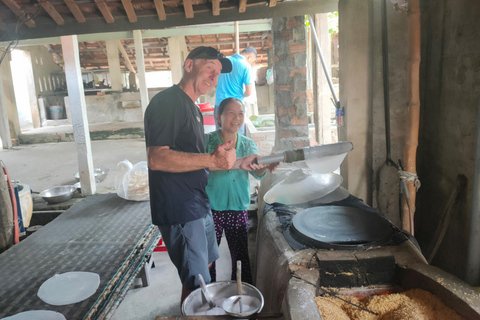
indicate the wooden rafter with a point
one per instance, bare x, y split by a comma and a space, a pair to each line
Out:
126, 59
85, 46
127, 5
160, 9
47, 6
242, 6
188, 7
107, 15
216, 7
13, 5
272, 3
75, 10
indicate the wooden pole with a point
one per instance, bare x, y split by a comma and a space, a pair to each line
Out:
237, 37
411, 139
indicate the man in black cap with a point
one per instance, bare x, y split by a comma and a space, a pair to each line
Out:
231, 85
178, 167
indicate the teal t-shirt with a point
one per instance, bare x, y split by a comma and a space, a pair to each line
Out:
230, 190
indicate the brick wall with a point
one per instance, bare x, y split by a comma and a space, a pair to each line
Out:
290, 61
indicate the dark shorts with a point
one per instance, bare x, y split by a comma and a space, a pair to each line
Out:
191, 247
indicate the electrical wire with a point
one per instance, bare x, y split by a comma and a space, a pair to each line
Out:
25, 17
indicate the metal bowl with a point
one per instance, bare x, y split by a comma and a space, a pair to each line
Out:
58, 194
100, 174
195, 303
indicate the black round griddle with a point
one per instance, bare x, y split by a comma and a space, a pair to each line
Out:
338, 227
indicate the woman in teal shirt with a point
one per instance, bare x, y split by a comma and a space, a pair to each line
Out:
229, 191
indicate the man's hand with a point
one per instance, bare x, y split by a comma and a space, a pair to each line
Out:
224, 156
248, 163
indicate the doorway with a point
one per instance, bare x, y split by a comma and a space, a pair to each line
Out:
24, 89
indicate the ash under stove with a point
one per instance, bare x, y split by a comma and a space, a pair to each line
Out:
343, 225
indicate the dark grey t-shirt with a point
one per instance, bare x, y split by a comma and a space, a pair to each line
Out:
172, 119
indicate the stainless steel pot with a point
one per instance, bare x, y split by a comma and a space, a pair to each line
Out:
195, 303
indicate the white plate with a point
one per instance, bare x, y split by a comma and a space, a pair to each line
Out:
69, 288
37, 315
301, 186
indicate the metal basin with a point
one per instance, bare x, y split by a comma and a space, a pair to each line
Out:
195, 303
100, 174
58, 194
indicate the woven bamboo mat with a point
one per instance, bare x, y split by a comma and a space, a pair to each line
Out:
103, 234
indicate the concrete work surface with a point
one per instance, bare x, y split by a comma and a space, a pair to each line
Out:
47, 165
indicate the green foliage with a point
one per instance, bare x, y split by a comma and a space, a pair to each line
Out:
333, 22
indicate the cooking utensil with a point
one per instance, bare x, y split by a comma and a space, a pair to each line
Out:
195, 304
301, 186
321, 159
205, 292
241, 306
338, 194
340, 227
58, 194
100, 174
239, 278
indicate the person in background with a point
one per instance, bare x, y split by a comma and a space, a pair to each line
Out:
229, 191
178, 167
231, 85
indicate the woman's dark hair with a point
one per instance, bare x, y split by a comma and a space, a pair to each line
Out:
224, 103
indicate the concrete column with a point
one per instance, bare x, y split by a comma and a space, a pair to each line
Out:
320, 83
290, 64
177, 50
114, 65
355, 95
4, 127
78, 109
140, 60
8, 94
32, 93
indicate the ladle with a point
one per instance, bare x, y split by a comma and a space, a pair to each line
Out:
241, 305
205, 292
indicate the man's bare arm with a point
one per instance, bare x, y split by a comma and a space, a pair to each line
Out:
248, 90
162, 158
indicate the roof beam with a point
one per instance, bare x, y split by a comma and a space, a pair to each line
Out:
257, 10
216, 7
242, 6
47, 6
159, 33
75, 10
13, 5
126, 59
127, 5
188, 7
107, 15
160, 9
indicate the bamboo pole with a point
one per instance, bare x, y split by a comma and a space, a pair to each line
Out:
411, 139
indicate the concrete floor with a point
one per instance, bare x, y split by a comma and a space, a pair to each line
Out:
46, 165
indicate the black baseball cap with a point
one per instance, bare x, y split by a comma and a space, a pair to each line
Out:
210, 53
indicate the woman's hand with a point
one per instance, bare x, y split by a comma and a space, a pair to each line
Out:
273, 166
248, 163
